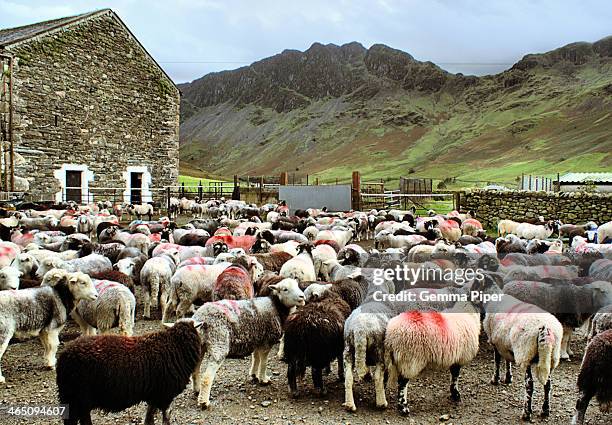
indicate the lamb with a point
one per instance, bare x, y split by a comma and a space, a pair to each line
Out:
239, 328
153, 368
595, 376
572, 305
300, 267
190, 284
115, 306
417, 340
43, 310
526, 335
314, 337
9, 278
155, 277
234, 283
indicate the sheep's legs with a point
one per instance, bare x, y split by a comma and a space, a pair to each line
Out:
508, 378
183, 308
528, 394
3, 347
206, 383
546, 404
497, 357
281, 348
379, 385
402, 396
340, 369
146, 303
165, 417
349, 400
292, 379
86, 328
254, 365
566, 352
262, 366
317, 380
150, 415
454, 370
50, 341
581, 407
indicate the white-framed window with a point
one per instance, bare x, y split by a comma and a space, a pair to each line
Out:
74, 182
137, 185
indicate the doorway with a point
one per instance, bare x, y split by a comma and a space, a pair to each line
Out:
74, 188
135, 188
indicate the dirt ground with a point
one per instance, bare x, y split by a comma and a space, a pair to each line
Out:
237, 400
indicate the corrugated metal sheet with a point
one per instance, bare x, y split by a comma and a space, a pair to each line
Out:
584, 177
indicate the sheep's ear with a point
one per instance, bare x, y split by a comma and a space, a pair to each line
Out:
168, 325
274, 288
197, 324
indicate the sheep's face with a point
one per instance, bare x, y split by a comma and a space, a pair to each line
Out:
54, 276
81, 287
257, 270
9, 278
288, 293
316, 291
125, 266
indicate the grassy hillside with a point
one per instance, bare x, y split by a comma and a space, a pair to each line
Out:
544, 116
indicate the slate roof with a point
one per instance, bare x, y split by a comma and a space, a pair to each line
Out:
583, 177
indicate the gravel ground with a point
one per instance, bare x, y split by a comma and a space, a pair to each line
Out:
237, 400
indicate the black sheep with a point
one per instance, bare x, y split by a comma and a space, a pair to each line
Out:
113, 373
595, 376
314, 336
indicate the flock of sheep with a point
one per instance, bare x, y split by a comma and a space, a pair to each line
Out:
238, 279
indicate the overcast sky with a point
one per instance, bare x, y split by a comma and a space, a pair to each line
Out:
190, 38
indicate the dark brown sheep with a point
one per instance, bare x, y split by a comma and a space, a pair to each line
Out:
115, 276
113, 373
595, 376
273, 261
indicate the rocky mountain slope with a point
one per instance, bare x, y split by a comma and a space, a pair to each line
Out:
332, 109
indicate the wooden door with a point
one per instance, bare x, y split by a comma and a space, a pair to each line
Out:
74, 190
136, 188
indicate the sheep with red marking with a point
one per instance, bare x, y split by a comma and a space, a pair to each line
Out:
244, 242
234, 283
450, 230
8, 252
595, 376
114, 307
471, 227
416, 340
112, 372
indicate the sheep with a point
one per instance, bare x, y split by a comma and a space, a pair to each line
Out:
332, 270
9, 278
85, 225
341, 237
300, 267
26, 263
350, 290
537, 273
131, 266
116, 276
153, 368
244, 242
352, 255
385, 239
535, 231
506, 227
190, 284
581, 246
39, 223
572, 305
604, 233
42, 311
140, 210
416, 340
115, 306
239, 328
600, 322
526, 335
314, 337
571, 230
595, 376
155, 277
90, 264
8, 252
450, 230
320, 254
601, 269
234, 283
273, 261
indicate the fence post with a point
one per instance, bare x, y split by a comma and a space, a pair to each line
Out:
316, 181
356, 191
168, 200
200, 190
284, 178
261, 183
306, 179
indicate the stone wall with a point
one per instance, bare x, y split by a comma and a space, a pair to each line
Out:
89, 95
570, 207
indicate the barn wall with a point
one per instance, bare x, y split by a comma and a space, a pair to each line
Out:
574, 207
89, 95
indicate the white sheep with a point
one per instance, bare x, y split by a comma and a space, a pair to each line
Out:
341, 237
9, 278
26, 263
506, 227
386, 239
525, 335
42, 311
416, 340
155, 277
90, 264
604, 232
115, 305
189, 284
301, 267
534, 231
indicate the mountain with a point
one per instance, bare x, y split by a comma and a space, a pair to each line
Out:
332, 109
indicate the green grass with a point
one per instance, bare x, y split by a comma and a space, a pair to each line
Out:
195, 181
